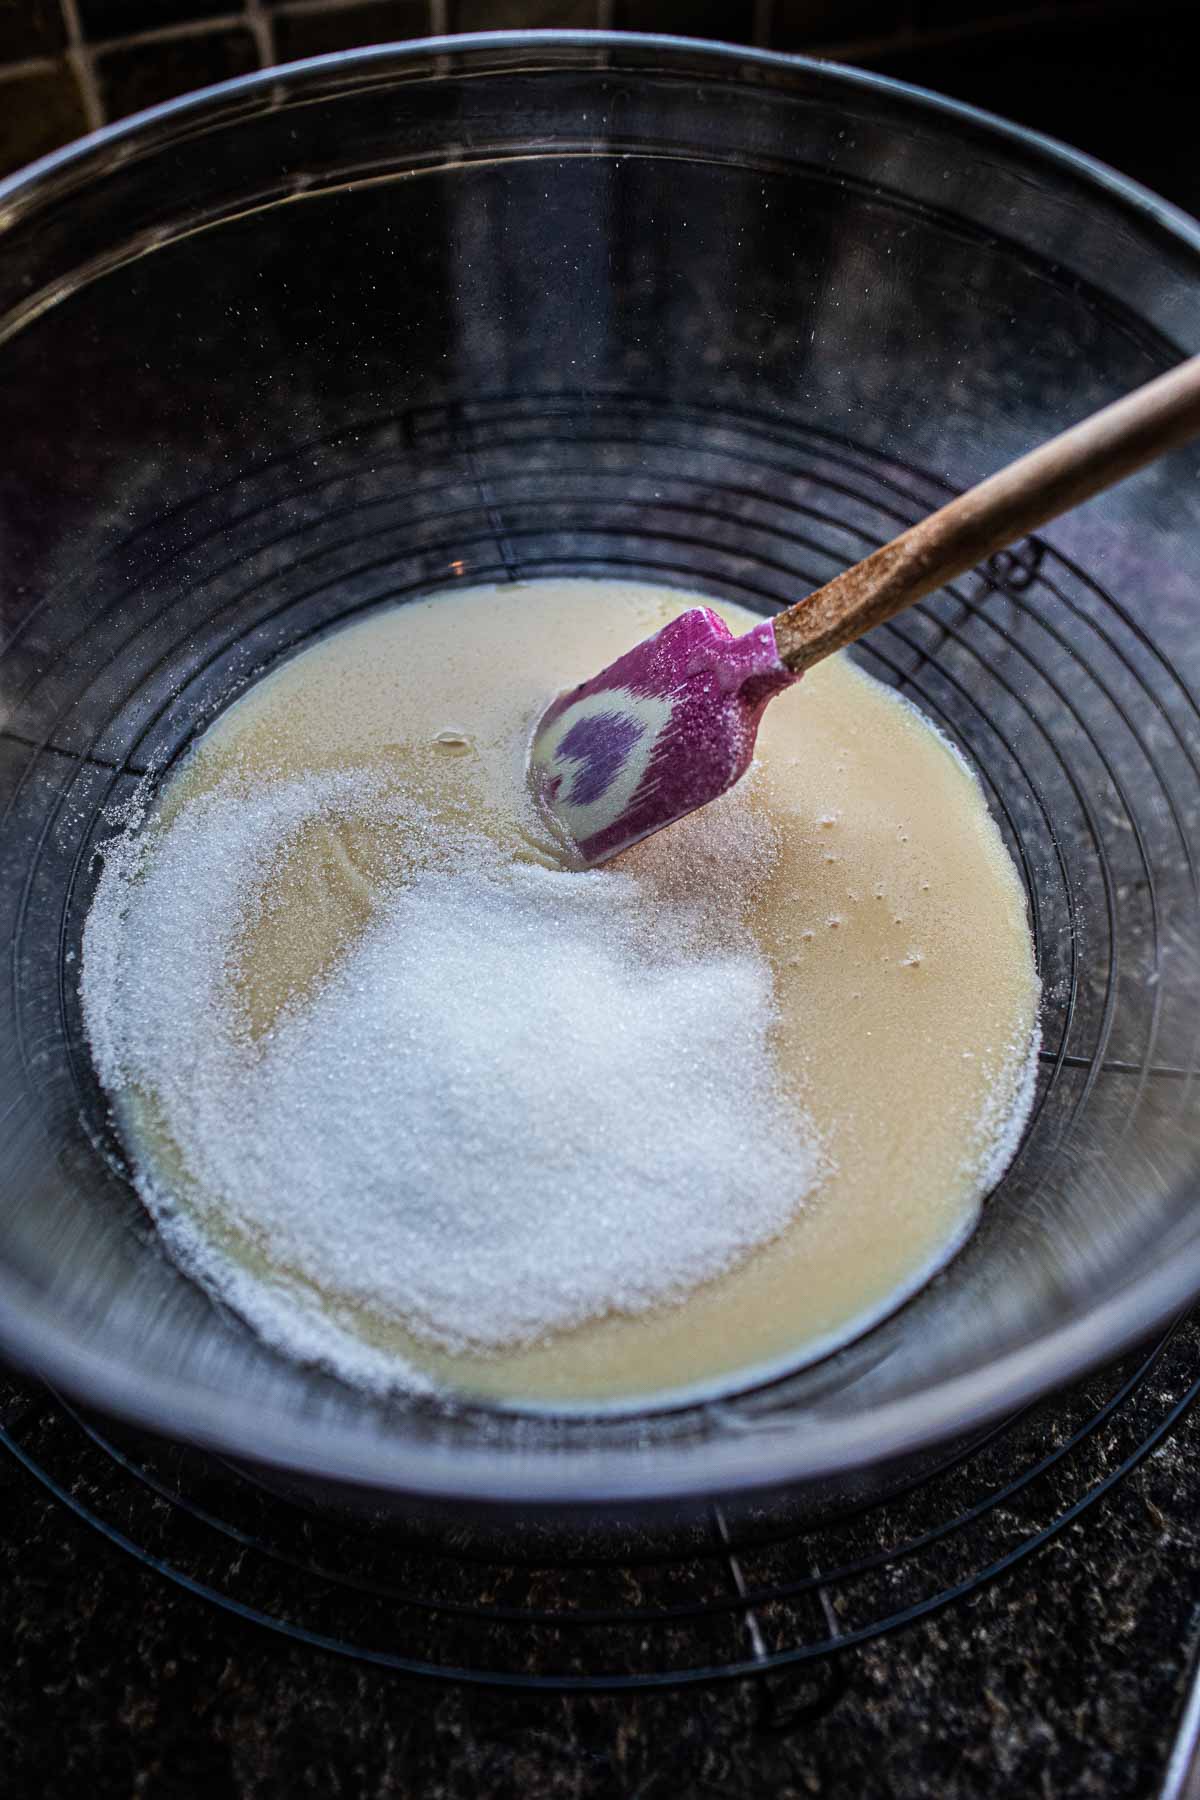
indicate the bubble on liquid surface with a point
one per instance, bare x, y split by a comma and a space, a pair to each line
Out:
452, 742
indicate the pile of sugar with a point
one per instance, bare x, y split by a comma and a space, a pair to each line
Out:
525, 1097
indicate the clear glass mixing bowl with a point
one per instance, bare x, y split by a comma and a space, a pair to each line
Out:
330, 337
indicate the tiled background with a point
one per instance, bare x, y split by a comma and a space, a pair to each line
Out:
1117, 77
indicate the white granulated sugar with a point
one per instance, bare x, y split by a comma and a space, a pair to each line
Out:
524, 1098
1001, 1126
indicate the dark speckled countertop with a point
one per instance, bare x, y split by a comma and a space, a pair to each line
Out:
1063, 1677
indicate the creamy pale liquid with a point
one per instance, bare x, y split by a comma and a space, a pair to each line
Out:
892, 917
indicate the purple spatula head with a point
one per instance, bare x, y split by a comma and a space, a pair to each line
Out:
661, 731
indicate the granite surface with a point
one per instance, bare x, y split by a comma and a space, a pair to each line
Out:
1064, 1677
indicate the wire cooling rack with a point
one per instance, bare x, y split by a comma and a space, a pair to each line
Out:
733, 1596
1090, 742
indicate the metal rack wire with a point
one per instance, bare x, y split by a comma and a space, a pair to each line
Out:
1089, 741
743, 1598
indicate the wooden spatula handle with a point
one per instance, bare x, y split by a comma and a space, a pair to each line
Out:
1049, 481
